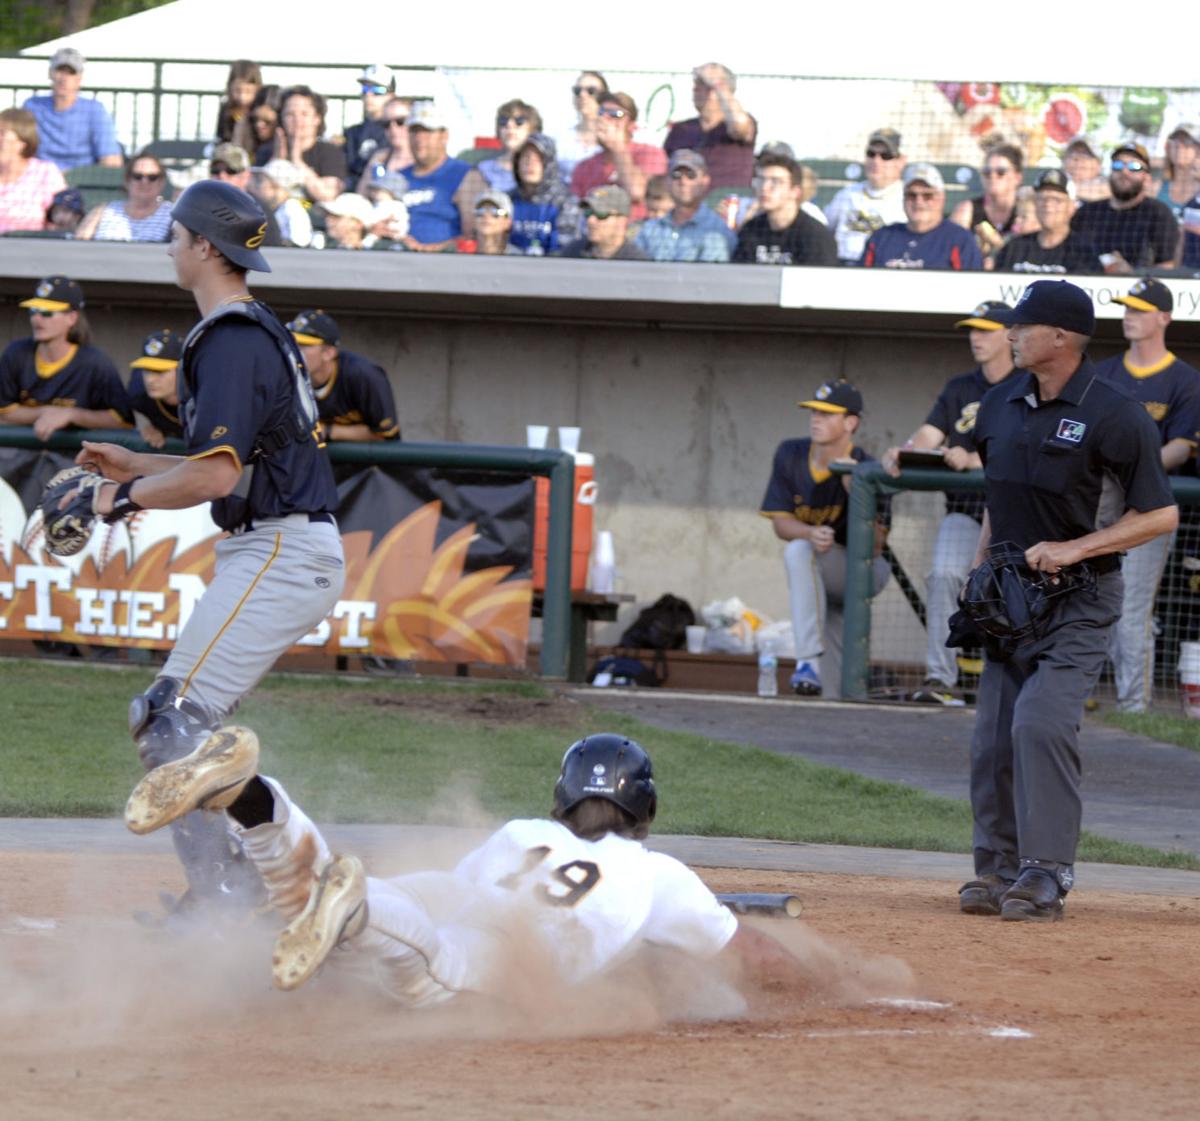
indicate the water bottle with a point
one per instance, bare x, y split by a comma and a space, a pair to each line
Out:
768, 681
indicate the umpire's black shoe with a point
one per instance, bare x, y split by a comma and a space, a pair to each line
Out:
982, 896
1035, 897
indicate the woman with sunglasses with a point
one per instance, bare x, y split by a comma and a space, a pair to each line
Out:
143, 215
990, 217
579, 142
395, 155
264, 118
233, 117
515, 121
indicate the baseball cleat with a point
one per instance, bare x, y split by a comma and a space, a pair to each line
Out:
337, 909
210, 778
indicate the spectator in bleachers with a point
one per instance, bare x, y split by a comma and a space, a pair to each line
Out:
1054, 248
493, 224
389, 222
516, 121
389, 187
442, 190
545, 214
782, 233
143, 215
154, 389
1131, 231
274, 186
65, 212
298, 138
264, 121
348, 222
56, 379
580, 141
1182, 176
990, 217
395, 153
231, 164
723, 133
621, 159
27, 185
1082, 165
809, 186
859, 209
73, 130
233, 117
927, 240
658, 196
606, 210
691, 231
363, 140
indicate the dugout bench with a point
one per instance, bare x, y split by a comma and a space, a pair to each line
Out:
586, 607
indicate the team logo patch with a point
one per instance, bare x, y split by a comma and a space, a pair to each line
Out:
598, 769
322, 581
218, 432
966, 419
154, 348
823, 392
257, 240
1071, 430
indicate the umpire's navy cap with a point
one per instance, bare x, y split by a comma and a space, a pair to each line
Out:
1148, 295
1052, 303
983, 318
314, 328
835, 397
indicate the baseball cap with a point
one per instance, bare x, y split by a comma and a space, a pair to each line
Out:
835, 397
1148, 294
378, 75
282, 172
349, 204
776, 148
1186, 128
887, 138
55, 293
425, 114
983, 317
1055, 180
391, 181
161, 351
686, 157
233, 156
68, 57
924, 173
609, 199
72, 198
1052, 303
1084, 143
314, 327
1134, 147
498, 199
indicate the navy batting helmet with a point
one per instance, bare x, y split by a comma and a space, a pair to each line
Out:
610, 767
228, 217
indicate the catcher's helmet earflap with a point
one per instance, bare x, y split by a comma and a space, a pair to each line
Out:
228, 217
610, 767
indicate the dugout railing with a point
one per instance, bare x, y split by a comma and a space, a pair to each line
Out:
867, 673
557, 466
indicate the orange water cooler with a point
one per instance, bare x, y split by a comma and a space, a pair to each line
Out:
581, 525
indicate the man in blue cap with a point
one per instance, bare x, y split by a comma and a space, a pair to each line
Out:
1074, 478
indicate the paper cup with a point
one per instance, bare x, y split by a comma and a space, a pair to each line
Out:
568, 439
536, 435
695, 639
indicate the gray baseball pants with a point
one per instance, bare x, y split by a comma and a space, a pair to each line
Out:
1132, 649
953, 552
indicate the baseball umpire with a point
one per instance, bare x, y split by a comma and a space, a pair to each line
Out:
1074, 478
249, 421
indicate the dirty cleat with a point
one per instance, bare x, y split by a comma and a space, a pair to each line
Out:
982, 896
1035, 897
210, 778
337, 909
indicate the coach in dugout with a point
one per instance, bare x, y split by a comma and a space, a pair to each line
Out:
354, 397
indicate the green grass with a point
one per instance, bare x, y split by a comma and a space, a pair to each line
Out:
377, 750
1178, 730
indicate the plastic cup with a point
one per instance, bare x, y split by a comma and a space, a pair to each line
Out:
536, 435
695, 639
568, 439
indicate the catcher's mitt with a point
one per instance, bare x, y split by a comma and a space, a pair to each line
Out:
68, 530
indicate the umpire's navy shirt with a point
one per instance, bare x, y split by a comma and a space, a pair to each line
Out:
1058, 470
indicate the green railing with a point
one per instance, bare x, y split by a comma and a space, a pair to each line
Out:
869, 480
557, 466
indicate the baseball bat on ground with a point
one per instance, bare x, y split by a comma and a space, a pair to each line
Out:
777, 905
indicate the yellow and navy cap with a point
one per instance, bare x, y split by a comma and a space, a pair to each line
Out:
983, 317
160, 352
55, 293
1148, 295
835, 397
314, 328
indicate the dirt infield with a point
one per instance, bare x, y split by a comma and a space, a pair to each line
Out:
914, 1012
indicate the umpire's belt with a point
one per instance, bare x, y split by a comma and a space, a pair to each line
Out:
280, 520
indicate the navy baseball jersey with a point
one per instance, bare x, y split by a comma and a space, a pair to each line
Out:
954, 414
164, 417
815, 497
1169, 390
241, 394
359, 393
944, 247
1048, 463
86, 379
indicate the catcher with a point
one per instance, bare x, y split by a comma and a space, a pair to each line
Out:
249, 420
580, 887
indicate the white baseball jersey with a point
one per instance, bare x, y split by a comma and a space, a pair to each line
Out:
597, 902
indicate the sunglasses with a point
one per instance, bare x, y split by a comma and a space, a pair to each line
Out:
490, 212
921, 196
1128, 165
399, 122
221, 169
263, 118
591, 91
37, 313
145, 176
685, 173
518, 120
374, 89
879, 154
614, 111
994, 172
600, 215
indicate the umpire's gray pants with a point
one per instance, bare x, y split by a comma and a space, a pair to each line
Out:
1025, 764
1132, 649
953, 554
